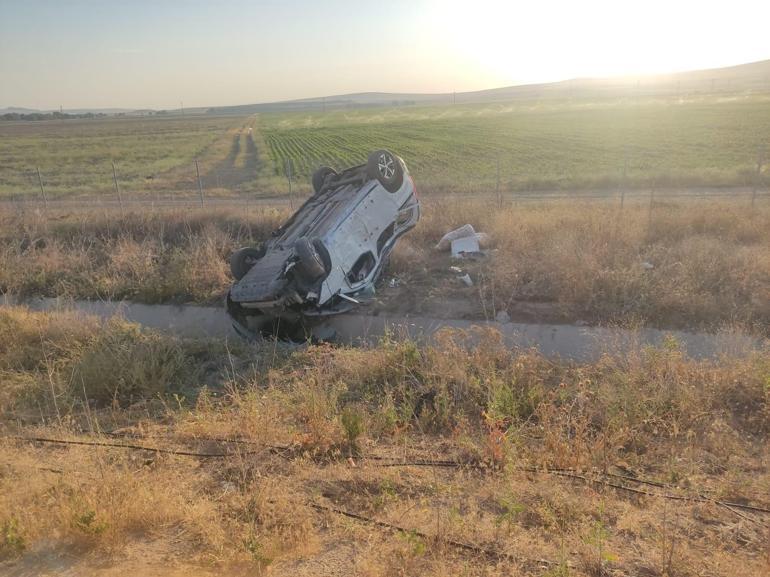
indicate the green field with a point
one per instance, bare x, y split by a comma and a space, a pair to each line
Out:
76, 156
557, 145
538, 147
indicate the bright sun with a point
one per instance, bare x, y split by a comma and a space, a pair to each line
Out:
550, 40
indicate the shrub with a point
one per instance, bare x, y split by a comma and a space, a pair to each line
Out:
124, 364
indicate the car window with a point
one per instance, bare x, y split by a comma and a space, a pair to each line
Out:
361, 268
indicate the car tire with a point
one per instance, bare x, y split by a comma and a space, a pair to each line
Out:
309, 262
243, 259
320, 176
385, 166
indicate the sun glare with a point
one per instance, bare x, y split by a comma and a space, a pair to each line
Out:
514, 42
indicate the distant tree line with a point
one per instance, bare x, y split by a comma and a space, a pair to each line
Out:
48, 115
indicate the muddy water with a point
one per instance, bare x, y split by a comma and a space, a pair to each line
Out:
564, 341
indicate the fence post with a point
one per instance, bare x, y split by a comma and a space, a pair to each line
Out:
623, 183
498, 192
760, 161
200, 182
117, 188
288, 177
649, 213
42, 188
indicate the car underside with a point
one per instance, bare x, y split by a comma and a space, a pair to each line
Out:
328, 256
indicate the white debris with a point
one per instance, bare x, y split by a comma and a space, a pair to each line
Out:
503, 317
647, 265
456, 269
465, 245
394, 282
463, 231
464, 240
466, 279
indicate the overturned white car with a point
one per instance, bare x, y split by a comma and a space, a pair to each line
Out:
329, 254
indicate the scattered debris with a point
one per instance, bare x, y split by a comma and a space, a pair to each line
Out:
503, 317
465, 245
464, 241
446, 240
456, 269
466, 279
394, 282
647, 265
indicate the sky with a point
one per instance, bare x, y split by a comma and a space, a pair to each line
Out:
160, 53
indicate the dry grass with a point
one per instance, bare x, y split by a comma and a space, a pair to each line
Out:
711, 260
506, 416
145, 256
558, 260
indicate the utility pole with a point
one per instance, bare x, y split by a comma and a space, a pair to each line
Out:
181, 107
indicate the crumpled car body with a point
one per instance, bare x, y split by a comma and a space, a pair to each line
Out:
327, 257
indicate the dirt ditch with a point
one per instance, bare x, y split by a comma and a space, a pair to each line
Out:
569, 342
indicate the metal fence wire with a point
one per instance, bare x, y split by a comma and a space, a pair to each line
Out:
201, 183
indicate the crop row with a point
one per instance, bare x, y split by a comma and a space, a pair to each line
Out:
718, 141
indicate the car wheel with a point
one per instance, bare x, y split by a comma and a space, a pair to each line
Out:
320, 176
310, 264
243, 259
385, 167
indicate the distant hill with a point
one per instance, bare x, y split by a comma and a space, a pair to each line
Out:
752, 77
17, 110
743, 78
97, 110
20, 110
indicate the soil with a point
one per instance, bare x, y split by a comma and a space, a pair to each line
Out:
439, 293
229, 175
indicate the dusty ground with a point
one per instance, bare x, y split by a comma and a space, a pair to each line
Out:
434, 290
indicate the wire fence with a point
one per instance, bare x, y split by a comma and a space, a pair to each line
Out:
217, 184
